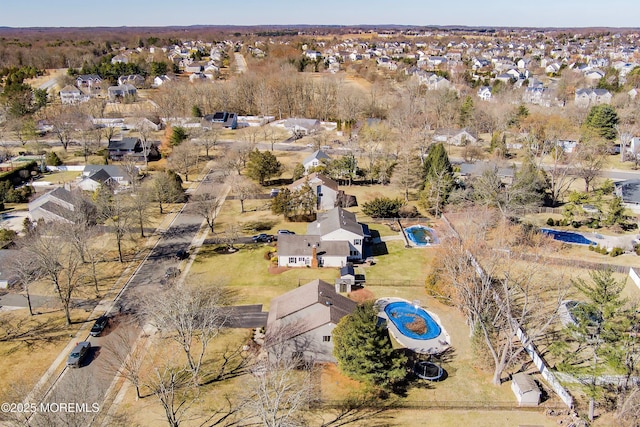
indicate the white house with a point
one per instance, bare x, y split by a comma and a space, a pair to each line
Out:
303, 320
484, 93
325, 189
72, 95
160, 80
317, 158
333, 240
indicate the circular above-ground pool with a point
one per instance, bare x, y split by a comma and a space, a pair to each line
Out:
567, 236
421, 235
412, 321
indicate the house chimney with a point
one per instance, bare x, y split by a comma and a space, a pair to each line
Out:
314, 257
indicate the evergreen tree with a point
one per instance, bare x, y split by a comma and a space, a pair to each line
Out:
263, 165
178, 135
466, 112
601, 121
363, 349
437, 161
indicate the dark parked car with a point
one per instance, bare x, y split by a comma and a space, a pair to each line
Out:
262, 238
78, 354
182, 254
99, 326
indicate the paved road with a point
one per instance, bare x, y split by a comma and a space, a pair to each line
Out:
90, 383
241, 63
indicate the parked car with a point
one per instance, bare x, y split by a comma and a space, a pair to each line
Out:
285, 232
78, 354
274, 192
182, 254
262, 237
99, 326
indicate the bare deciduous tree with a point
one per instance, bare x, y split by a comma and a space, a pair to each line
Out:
280, 388
183, 158
192, 316
207, 205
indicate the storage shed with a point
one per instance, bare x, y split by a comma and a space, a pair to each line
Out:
526, 390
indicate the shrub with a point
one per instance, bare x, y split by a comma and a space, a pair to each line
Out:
52, 159
551, 222
408, 211
637, 250
383, 207
616, 251
575, 224
591, 248
252, 226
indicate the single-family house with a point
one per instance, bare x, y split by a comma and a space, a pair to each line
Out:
302, 126
223, 118
72, 95
120, 92
93, 82
317, 158
593, 75
106, 174
59, 205
194, 67
160, 80
325, 189
130, 147
133, 79
537, 95
333, 240
459, 137
484, 93
588, 97
303, 320
526, 390
120, 59
339, 224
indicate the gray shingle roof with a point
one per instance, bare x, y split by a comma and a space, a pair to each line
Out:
309, 306
318, 154
302, 245
335, 219
314, 177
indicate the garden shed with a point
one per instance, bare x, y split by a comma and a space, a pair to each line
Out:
526, 390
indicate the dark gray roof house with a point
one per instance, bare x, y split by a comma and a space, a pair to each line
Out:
223, 118
303, 320
126, 147
116, 92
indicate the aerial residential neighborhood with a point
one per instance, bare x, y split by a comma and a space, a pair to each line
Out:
318, 224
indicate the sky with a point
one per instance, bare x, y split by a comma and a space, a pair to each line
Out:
159, 13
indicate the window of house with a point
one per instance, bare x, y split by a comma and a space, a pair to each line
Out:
301, 259
357, 242
292, 260
326, 338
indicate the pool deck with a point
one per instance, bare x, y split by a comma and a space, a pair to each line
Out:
436, 345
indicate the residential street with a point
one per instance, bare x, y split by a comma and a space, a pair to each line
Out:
90, 383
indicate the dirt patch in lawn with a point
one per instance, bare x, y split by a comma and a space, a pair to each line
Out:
362, 295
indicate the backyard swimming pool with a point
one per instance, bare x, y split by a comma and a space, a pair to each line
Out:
421, 235
567, 236
412, 321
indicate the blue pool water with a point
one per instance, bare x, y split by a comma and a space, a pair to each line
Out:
421, 235
403, 313
567, 236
